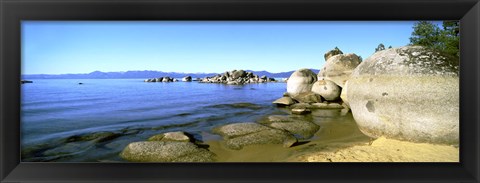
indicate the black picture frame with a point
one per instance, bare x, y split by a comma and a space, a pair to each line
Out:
12, 12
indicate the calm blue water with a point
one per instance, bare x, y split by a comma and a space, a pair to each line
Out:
55, 109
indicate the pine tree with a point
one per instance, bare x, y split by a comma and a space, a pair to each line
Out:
380, 47
430, 35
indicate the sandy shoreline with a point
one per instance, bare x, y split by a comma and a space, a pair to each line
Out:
338, 140
386, 150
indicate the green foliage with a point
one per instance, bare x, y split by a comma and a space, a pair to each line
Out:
380, 47
430, 35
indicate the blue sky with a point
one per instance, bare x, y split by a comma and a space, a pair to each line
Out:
58, 47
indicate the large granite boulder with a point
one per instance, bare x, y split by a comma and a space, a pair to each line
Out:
327, 89
300, 81
338, 68
166, 151
238, 135
408, 93
332, 53
343, 94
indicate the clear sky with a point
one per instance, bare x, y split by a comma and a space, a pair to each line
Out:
59, 47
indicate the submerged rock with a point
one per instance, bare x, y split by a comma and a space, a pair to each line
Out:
302, 128
97, 137
300, 110
300, 81
284, 101
161, 151
238, 135
408, 93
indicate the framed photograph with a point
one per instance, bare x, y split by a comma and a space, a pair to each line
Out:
247, 91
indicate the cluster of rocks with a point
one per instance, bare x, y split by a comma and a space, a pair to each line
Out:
409, 93
167, 147
161, 79
180, 147
305, 92
236, 77
277, 129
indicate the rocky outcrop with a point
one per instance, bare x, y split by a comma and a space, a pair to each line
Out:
327, 89
187, 79
167, 147
284, 101
304, 129
300, 81
338, 68
408, 93
236, 77
25, 81
238, 135
171, 136
332, 53
166, 151
161, 79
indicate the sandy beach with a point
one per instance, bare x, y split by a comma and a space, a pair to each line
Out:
385, 150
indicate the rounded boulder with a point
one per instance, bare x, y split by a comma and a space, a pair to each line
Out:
409, 93
338, 68
327, 89
301, 81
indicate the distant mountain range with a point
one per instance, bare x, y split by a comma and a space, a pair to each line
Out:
145, 75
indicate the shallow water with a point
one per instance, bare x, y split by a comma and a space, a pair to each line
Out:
336, 131
64, 121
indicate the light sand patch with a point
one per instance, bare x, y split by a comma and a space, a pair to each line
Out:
386, 150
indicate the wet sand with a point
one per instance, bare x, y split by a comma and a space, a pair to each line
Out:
338, 140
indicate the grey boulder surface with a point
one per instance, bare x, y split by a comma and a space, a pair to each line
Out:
327, 89
285, 101
171, 136
409, 93
166, 151
300, 81
239, 135
338, 68
302, 128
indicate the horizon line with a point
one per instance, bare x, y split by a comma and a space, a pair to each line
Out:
167, 72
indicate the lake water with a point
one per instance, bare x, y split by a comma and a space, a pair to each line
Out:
60, 116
